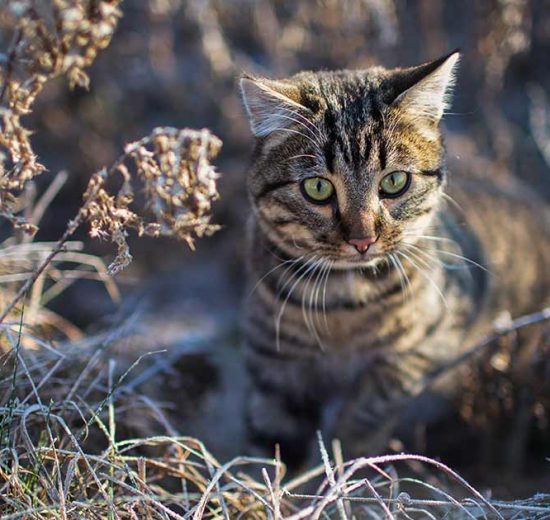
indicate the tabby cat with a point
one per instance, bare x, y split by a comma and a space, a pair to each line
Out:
365, 280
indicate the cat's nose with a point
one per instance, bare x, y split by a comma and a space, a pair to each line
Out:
362, 244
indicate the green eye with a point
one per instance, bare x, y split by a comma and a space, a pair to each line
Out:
317, 190
395, 183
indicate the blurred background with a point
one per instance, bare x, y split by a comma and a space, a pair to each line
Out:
176, 62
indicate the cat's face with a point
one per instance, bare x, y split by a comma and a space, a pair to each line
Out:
348, 166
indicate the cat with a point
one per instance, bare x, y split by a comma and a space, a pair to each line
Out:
365, 275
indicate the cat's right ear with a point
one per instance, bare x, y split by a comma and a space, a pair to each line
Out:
425, 91
270, 104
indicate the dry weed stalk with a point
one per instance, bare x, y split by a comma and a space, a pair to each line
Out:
63, 457
179, 186
62, 37
18, 262
49, 39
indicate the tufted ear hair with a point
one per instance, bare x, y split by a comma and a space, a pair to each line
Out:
425, 91
271, 105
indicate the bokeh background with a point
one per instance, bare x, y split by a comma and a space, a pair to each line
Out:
176, 63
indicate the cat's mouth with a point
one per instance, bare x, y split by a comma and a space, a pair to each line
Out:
376, 255
358, 261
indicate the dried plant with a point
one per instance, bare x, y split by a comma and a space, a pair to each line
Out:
20, 257
49, 39
62, 37
18, 262
64, 454
179, 184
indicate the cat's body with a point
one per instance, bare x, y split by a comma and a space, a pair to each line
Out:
360, 296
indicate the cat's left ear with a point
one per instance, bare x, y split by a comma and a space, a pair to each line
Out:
425, 91
271, 105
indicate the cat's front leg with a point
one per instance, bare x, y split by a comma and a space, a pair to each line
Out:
372, 409
279, 412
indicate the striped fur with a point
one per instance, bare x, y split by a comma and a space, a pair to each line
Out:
341, 341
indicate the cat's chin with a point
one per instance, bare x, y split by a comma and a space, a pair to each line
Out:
368, 262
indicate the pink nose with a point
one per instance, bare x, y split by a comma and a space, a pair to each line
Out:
362, 244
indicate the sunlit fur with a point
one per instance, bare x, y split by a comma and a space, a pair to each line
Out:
325, 323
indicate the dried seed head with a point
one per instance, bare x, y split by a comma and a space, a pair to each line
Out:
49, 39
174, 170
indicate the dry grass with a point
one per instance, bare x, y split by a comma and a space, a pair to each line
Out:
66, 452
70, 444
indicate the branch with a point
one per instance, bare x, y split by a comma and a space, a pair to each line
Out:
179, 183
60, 245
501, 330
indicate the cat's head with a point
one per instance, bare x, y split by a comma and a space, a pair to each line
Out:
349, 165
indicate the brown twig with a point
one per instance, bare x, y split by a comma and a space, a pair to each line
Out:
59, 246
502, 330
179, 207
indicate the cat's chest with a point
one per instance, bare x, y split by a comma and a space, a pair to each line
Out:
373, 327
361, 316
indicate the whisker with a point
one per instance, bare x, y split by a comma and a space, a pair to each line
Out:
406, 276
448, 198
292, 275
308, 267
427, 253
324, 297
325, 270
284, 278
301, 155
292, 131
428, 257
305, 292
314, 136
313, 295
425, 275
460, 257
395, 264
424, 260
295, 244
291, 261
429, 237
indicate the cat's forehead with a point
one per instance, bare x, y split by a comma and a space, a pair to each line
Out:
349, 105
361, 133
341, 90
351, 114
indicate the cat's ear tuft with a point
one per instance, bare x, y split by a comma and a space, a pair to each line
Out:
270, 104
428, 88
